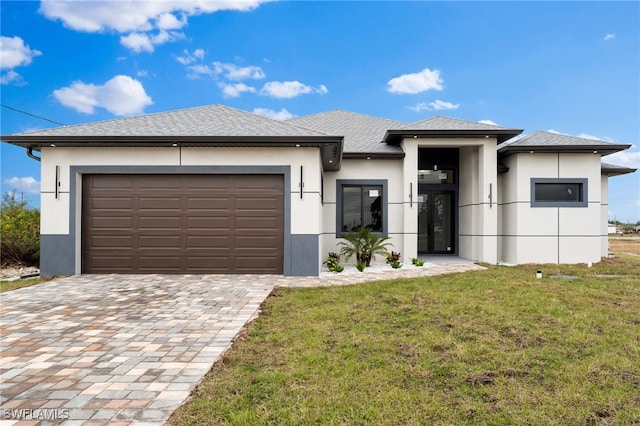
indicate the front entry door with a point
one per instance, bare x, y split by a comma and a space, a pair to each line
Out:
436, 223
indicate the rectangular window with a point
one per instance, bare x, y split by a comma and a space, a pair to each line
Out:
361, 204
547, 192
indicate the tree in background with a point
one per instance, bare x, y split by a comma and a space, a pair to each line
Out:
20, 232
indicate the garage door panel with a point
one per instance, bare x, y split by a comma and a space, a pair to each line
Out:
255, 242
183, 223
204, 183
112, 203
205, 223
162, 203
159, 261
110, 241
107, 222
168, 242
258, 204
160, 223
206, 203
106, 262
152, 183
212, 242
115, 182
256, 264
257, 222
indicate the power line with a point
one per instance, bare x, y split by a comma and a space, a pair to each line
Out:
32, 115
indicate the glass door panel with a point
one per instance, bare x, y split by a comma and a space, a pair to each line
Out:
436, 221
442, 222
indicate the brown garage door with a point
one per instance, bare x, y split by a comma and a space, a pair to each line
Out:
183, 224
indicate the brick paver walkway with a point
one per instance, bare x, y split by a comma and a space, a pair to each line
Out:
129, 349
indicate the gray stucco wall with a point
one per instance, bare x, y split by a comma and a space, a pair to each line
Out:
57, 255
305, 255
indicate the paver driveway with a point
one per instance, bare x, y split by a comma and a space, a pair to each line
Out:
129, 349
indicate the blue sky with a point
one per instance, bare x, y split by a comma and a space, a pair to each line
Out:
568, 67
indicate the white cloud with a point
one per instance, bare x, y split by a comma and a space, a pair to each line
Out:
168, 21
230, 77
436, 105
609, 37
14, 53
133, 16
416, 82
420, 106
196, 71
138, 42
190, 58
281, 115
491, 122
625, 158
12, 77
26, 184
141, 42
439, 105
234, 72
122, 95
290, 89
235, 90
588, 136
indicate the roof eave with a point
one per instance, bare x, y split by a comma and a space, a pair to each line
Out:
395, 136
616, 171
330, 146
373, 155
600, 149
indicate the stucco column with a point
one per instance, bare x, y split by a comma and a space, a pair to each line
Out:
488, 191
410, 198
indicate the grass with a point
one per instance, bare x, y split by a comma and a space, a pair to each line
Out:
487, 347
14, 285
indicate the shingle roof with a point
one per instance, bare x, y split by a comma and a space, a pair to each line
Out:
213, 125
554, 142
615, 170
443, 127
448, 123
211, 120
362, 133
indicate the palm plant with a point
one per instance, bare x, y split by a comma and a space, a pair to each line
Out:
363, 244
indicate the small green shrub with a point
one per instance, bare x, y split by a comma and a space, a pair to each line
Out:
363, 244
333, 262
360, 266
20, 236
395, 264
417, 262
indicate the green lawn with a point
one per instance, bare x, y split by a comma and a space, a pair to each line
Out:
14, 285
488, 347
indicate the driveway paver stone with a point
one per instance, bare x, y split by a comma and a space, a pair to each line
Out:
129, 349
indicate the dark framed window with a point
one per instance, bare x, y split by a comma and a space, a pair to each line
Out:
550, 192
361, 203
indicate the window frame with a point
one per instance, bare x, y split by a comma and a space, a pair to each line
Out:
584, 192
341, 183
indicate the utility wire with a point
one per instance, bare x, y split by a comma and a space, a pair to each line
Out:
32, 115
